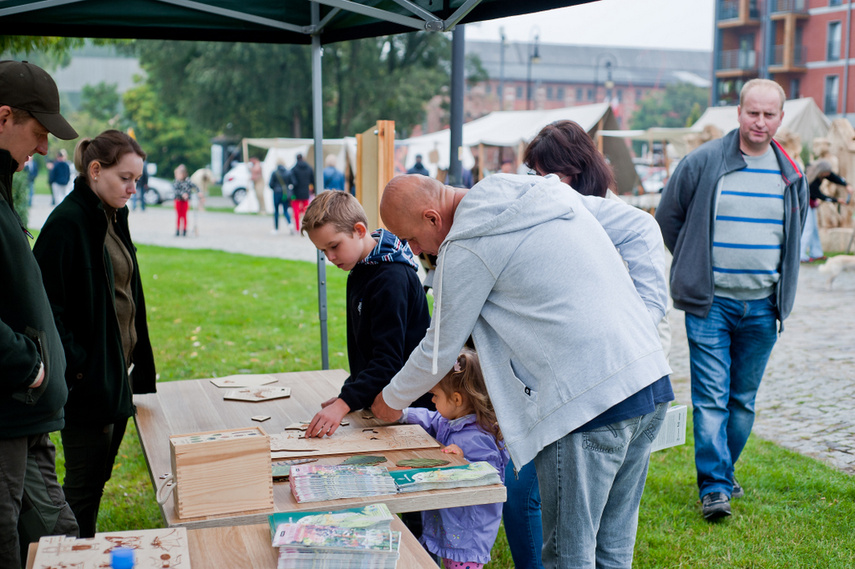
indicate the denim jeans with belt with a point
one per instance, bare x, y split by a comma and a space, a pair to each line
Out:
591, 484
728, 353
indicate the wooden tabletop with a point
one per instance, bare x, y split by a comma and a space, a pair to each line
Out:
193, 406
248, 547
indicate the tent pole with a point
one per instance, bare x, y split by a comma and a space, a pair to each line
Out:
455, 172
318, 132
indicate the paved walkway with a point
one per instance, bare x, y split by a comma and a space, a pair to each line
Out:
806, 401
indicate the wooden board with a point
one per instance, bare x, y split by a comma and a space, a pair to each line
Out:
351, 440
153, 549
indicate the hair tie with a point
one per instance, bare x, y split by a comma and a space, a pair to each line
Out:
457, 366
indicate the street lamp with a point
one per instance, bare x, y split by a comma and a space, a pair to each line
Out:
502, 71
534, 57
611, 62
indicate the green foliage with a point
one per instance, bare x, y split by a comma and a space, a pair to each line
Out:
47, 52
168, 139
21, 196
100, 101
260, 90
670, 108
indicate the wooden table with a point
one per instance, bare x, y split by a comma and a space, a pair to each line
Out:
191, 406
248, 547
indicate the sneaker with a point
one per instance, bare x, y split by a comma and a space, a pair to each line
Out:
715, 505
274, 232
738, 492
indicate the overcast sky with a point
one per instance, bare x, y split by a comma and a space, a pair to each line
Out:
676, 24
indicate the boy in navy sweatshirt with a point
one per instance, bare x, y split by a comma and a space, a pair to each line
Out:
387, 312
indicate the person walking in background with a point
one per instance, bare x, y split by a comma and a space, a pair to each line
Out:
418, 167
816, 172
142, 188
333, 178
59, 177
32, 363
257, 179
465, 422
32, 168
280, 183
732, 215
303, 180
184, 189
100, 313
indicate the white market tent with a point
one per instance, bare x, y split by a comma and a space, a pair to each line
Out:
515, 129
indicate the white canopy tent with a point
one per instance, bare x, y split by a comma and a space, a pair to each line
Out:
517, 128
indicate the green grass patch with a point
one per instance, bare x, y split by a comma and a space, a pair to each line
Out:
214, 314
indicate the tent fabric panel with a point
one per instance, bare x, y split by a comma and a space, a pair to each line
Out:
155, 19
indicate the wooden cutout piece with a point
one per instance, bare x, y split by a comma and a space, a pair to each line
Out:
261, 418
234, 381
256, 394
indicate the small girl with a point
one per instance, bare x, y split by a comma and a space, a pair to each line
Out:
465, 421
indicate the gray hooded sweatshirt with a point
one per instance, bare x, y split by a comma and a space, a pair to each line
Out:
559, 326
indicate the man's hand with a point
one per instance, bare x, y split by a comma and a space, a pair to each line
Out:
328, 419
383, 411
39, 377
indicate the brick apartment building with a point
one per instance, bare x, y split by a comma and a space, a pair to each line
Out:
534, 75
804, 45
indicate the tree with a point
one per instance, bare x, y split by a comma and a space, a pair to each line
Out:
169, 140
101, 101
670, 108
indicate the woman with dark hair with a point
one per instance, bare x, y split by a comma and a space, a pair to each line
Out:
90, 272
816, 172
565, 150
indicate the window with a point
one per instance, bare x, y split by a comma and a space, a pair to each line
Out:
638, 94
795, 89
590, 94
832, 87
620, 95
833, 45
549, 93
560, 94
488, 89
835, 2
578, 93
519, 92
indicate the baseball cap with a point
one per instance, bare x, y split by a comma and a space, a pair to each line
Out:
28, 87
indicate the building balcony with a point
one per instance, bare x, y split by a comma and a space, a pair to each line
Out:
738, 13
783, 64
737, 63
790, 7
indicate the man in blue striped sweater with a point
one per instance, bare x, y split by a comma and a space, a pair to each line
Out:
732, 215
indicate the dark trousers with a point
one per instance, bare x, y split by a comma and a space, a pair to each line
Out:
31, 501
285, 204
89, 456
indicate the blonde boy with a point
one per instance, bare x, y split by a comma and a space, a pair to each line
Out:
387, 312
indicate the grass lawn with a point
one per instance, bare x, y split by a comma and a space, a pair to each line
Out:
215, 314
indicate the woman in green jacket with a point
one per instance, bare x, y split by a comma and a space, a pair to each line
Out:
92, 279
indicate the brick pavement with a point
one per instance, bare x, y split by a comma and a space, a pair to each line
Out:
806, 401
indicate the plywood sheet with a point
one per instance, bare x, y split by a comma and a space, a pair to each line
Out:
291, 444
154, 548
244, 380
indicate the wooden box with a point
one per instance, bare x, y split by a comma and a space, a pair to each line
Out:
221, 472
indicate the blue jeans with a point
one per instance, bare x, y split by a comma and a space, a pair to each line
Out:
591, 484
521, 514
728, 352
277, 200
810, 244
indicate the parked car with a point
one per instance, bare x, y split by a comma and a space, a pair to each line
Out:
235, 183
159, 190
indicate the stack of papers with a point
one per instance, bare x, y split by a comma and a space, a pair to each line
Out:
357, 538
316, 483
474, 474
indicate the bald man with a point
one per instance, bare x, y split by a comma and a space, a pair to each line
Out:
569, 348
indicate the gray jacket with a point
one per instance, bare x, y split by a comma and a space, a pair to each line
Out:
561, 330
685, 215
